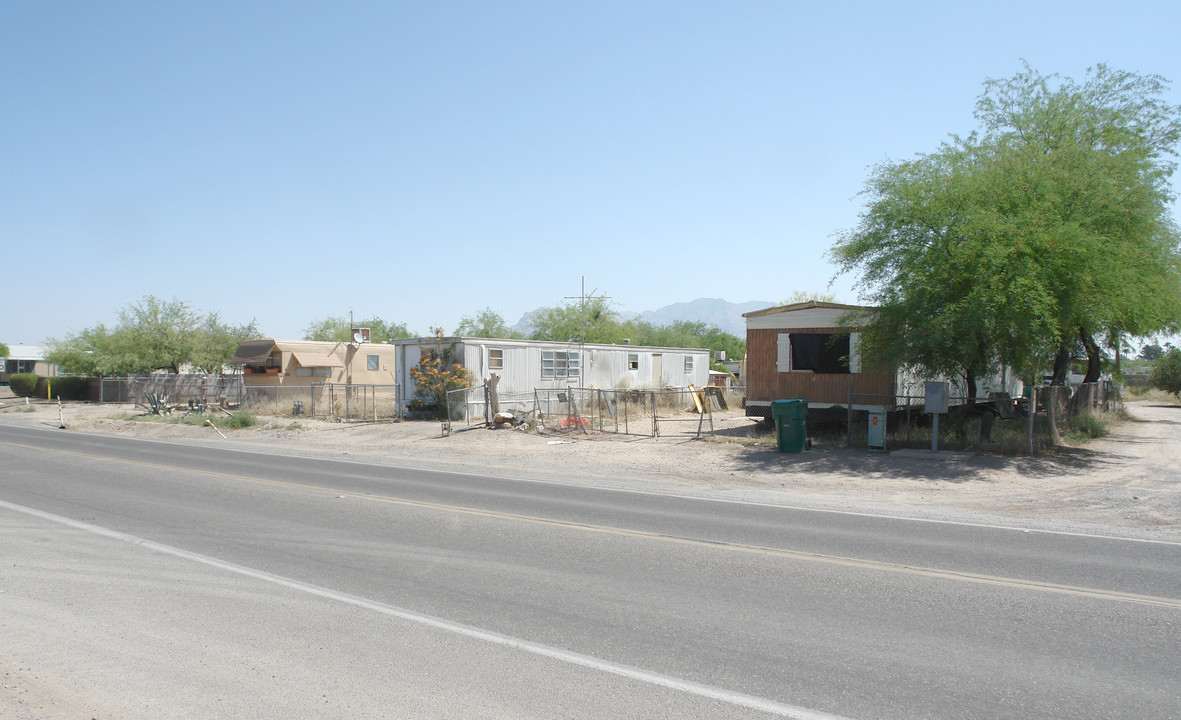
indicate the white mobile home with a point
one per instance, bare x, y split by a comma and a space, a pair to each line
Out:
527, 365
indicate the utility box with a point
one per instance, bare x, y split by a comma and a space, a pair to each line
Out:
877, 429
937, 397
791, 424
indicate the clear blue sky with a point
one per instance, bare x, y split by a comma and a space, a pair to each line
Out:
290, 161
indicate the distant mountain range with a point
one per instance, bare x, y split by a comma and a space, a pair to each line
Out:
711, 311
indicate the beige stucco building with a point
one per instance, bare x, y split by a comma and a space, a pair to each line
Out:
306, 362
26, 359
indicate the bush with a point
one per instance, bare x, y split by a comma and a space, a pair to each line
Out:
1089, 426
240, 420
67, 388
436, 373
1166, 374
23, 384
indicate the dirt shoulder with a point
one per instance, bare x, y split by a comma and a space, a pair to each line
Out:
1126, 484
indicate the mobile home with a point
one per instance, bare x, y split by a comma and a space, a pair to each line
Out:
526, 365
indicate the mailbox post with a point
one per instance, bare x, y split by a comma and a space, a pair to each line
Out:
937, 401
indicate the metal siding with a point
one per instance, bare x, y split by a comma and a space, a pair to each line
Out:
797, 319
410, 356
522, 369
601, 366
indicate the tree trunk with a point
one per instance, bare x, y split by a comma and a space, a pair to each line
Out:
1094, 357
1119, 372
962, 415
1061, 366
1052, 417
494, 398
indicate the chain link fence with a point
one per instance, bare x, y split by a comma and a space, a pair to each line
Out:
997, 423
179, 389
664, 412
346, 402
335, 401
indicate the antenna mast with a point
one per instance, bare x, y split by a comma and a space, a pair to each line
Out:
582, 298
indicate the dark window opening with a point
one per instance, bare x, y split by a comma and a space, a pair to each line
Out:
820, 352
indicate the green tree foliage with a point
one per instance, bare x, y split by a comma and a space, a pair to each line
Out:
1151, 352
1088, 167
803, 296
1047, 231
150, 335
598, 323
592, 321
214, 343
686, 334
1166, 373
486, 324
4, 351
339, 329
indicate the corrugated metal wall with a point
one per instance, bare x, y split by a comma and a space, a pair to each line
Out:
599, 366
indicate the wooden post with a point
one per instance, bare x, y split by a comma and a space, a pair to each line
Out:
493, 396
1031, 410
849, 420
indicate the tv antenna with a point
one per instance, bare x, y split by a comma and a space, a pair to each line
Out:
582, 303
582, 298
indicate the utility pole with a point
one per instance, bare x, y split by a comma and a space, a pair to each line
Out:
582, 298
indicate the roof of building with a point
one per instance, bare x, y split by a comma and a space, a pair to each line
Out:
809, 305
253, 352
26, 352
540, 343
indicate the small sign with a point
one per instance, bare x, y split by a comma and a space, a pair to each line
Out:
937, 397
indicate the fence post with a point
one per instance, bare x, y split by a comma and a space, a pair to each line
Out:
849, 420
1031, 409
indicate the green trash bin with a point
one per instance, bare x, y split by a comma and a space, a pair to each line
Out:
791, 424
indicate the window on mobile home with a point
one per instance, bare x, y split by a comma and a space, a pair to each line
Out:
826, 353
559, 364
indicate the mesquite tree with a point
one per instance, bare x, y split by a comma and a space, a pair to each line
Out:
1047, 230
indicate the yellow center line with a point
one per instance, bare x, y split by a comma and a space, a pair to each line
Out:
1016, 583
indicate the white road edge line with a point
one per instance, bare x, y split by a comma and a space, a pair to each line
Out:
653, 678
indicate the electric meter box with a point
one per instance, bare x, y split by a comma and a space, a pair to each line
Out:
937, 397
877, 429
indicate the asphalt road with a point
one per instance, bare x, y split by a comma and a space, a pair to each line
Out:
156, 579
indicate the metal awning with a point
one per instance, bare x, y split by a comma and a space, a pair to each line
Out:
311, 359
253, 352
